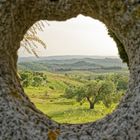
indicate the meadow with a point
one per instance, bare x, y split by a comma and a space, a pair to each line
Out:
46, 79
49, 98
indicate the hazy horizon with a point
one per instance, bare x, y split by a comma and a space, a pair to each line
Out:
73, 56
77, 36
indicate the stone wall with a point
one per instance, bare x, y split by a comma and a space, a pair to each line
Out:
19, 118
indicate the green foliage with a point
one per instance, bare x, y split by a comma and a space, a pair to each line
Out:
69, 92
93, 92
37, 81
49, 97
100, 77
26, 78
102, 88
122, 83
33, 78
120, 80
117, 96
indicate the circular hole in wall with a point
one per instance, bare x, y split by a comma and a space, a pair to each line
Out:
79, 77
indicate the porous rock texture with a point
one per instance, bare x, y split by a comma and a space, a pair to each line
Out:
19, 118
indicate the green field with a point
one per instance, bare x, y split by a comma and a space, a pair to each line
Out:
48, 99
62, 72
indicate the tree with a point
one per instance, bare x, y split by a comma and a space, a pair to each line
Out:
70, 92
120, 80
37, 81
93, 92
26, 78
122, 83
100, 77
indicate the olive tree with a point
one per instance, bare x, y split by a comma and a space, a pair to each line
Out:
93, 92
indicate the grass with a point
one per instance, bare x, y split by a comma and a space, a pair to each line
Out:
48, 99
71, 112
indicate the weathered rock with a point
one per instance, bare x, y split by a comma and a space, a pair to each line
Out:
19, 118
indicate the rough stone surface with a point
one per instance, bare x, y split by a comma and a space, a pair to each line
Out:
19, 118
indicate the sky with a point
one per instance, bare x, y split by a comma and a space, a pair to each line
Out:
77, 36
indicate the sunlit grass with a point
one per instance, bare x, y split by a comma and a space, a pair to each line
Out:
75, 113
64, 110
48, 99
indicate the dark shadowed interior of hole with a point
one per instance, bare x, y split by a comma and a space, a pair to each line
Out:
79, 77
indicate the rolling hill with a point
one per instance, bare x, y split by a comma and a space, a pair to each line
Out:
68, 63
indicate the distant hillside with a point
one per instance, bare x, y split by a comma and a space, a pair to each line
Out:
68, 63
64, 57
